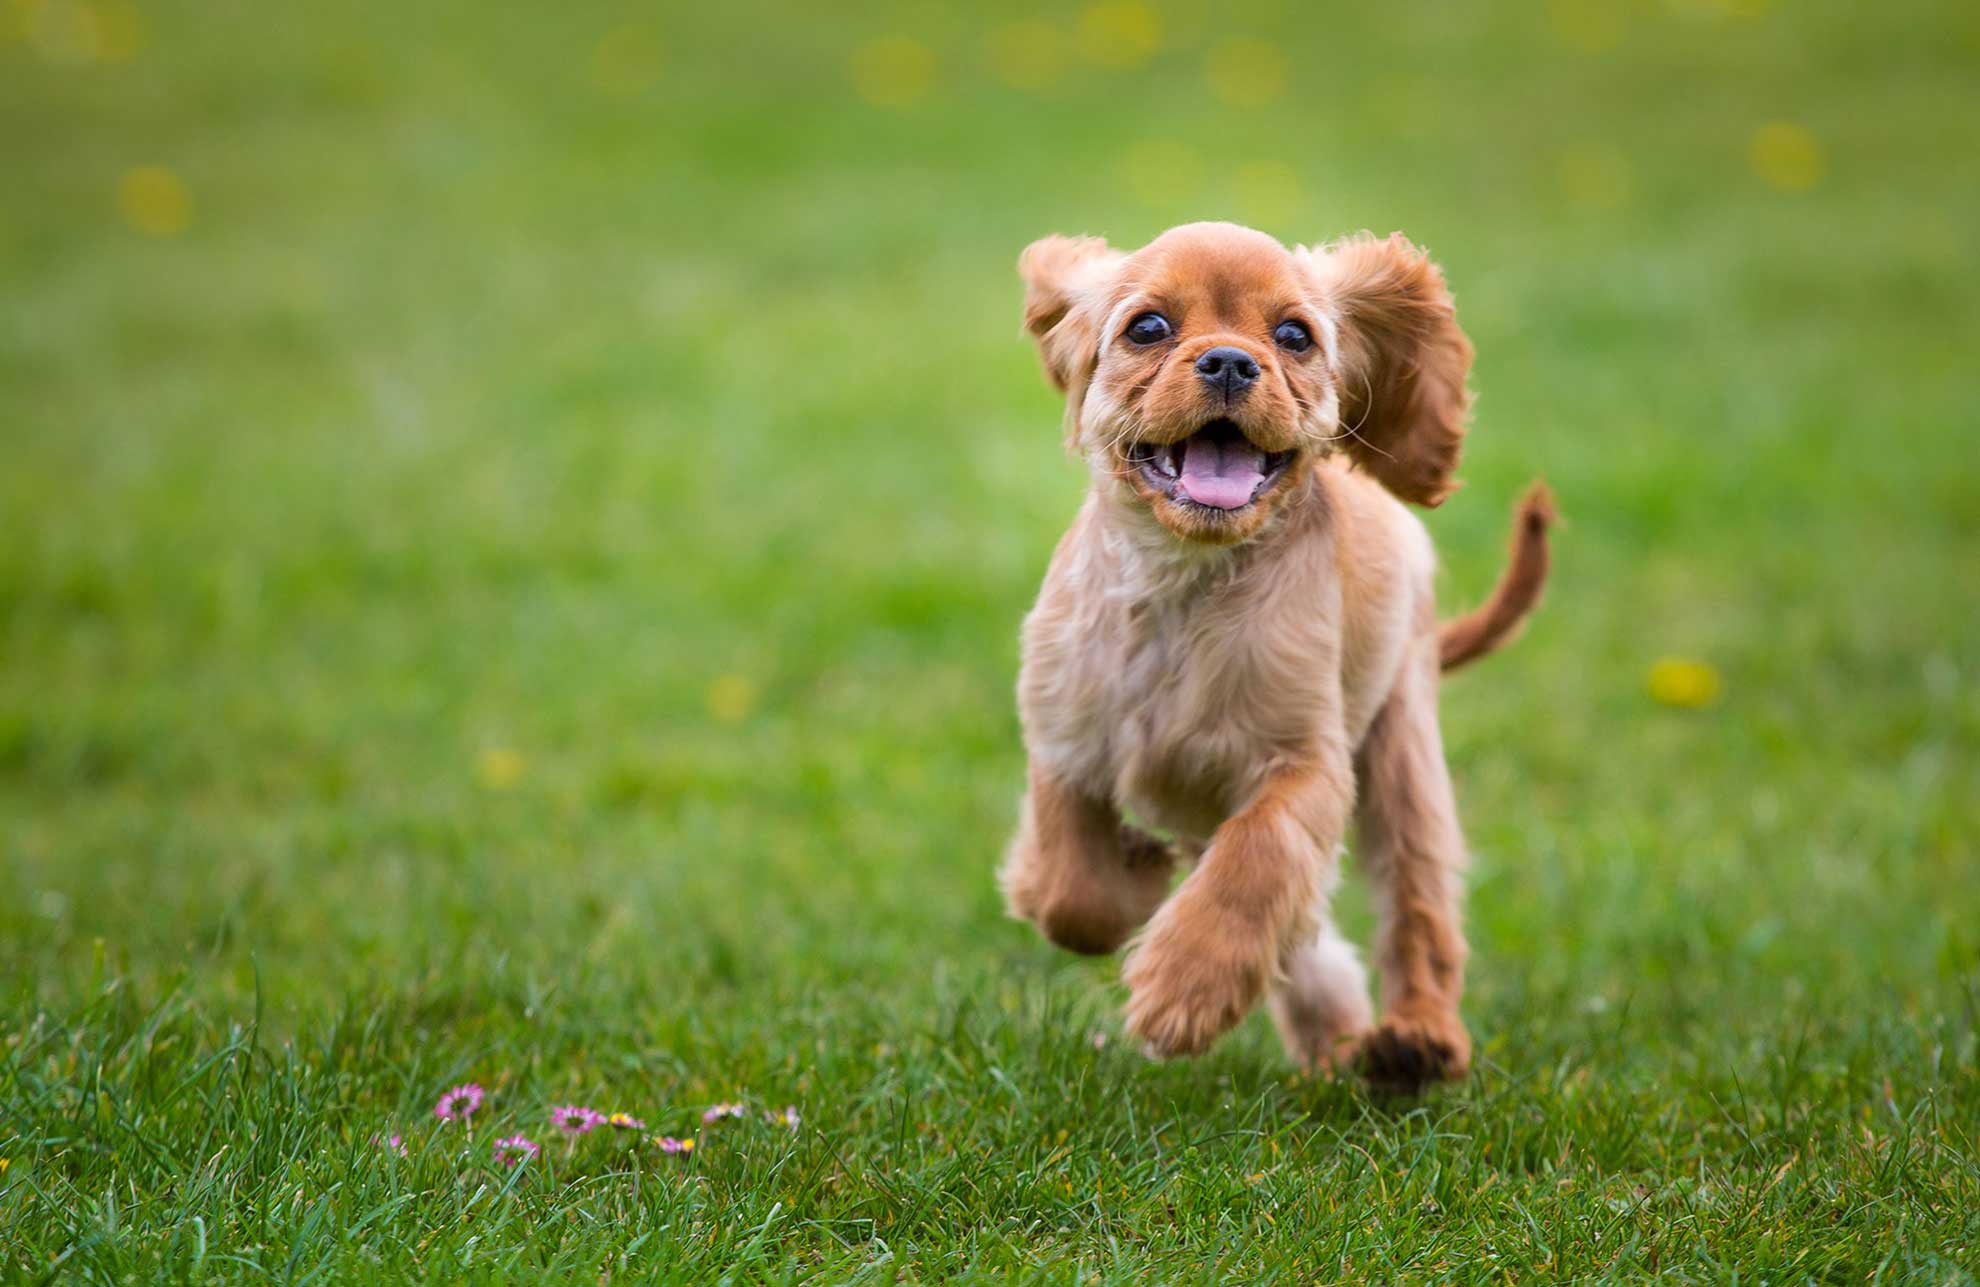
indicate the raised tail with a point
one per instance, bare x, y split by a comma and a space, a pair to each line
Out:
1495, 621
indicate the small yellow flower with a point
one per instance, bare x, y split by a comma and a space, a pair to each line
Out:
731, 698
1786, 156
1120, 33
1683, 682
154, 201
1246, 72
5, 1162
499, 768
892, 71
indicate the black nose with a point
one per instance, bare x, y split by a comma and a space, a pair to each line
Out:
1228, 368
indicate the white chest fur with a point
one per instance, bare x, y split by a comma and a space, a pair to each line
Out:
1170, 679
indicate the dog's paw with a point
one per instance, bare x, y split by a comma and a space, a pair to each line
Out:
1404, 1054
1321, 1006
1189, 983
1088, 929
1322, 1053
1091, 907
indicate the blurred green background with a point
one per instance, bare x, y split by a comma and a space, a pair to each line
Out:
515, 519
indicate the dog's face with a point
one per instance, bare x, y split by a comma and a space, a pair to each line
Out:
1204, 372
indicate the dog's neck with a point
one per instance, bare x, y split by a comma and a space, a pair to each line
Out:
1148, 563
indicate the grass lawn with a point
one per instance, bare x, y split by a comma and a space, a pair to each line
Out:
513, 526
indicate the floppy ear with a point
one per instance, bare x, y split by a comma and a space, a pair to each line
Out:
1063, 277
1403, 363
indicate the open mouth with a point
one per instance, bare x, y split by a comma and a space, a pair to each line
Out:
1216, 467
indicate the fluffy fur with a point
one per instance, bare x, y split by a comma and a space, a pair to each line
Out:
1247, 679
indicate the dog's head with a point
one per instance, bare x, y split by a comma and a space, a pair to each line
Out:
1204, 372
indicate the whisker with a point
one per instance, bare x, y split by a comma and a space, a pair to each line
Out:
1354, 430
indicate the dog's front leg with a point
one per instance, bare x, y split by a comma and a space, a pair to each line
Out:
1077, 872
1208, 954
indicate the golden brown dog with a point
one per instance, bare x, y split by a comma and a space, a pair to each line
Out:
1237, 644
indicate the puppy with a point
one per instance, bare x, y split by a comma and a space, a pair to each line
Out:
1236, 645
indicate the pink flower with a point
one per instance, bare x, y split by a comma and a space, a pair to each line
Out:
460, 1103
788, 1118
668, 1144
575, 1119
514, 1150
716, 1112
625, 1122
391, 1144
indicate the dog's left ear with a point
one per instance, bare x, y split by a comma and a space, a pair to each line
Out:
1063, 278
1403, 363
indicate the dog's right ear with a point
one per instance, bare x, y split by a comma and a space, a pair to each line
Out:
1064, 278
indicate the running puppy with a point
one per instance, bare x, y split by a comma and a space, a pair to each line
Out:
1237, 642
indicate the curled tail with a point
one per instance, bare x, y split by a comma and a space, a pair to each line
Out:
1499, 618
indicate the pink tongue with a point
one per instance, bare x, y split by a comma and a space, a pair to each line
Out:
1221, 474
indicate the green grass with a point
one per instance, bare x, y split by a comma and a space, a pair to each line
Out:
524, 587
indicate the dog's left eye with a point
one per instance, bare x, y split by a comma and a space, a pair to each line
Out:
1148, 328
1293, 336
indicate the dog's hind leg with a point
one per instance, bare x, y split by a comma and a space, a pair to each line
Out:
1414, 856
1076, 871
1321, 1006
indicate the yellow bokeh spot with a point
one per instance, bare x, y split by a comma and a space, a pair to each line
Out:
1247, 73
1680, 681
892, 71
1120, 33
1161, 172
154, 201
1028, 55
1596, 176
731, 698
500, 768
1268, 192
1587, 26
14, 20
1786, 156
626, 60
120, 31
63, 32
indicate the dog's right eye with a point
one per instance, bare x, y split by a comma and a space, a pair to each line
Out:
1148, 328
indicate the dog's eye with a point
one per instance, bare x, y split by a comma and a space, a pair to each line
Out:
1148, 328
1293, 336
